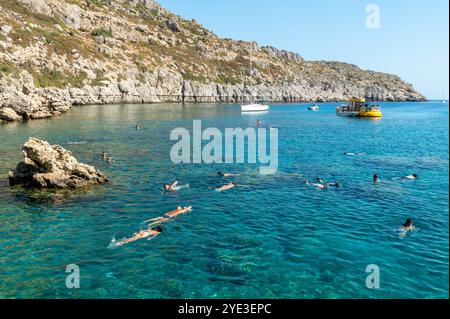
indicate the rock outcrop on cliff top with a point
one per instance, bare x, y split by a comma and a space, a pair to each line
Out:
51, 166
59, 53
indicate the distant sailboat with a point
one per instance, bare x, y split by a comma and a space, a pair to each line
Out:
252, 106
444, 100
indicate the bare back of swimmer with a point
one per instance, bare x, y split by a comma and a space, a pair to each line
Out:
169, 215
226, 187
221, 174
148, 233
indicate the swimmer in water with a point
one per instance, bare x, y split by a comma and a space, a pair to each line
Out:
354, 154
258, 123
149, 233
227, 174
106, 158
226, 187
408, 225
169, 215
170, 188
376, 178
178, 211
413, 176
318, 185
335, 184
319, 180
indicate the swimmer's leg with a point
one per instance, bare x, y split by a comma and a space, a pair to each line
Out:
159, 221
154, 219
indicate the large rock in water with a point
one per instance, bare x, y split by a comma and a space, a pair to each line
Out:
51, 166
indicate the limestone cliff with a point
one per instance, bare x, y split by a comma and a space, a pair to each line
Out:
59, 53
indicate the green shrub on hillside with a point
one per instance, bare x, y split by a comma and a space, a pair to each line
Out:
102, 31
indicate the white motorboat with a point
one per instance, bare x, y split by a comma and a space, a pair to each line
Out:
254, 107
314, 107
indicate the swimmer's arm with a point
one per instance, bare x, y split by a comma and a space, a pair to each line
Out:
150, 238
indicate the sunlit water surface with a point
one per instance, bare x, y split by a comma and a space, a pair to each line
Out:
273, 237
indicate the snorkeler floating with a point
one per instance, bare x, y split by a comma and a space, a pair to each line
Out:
376, 178
170, 188
106, 158
155, 228
226, 187
317, 185
319, 180
227, 174
169, 215
408, 225
174, 187
321, 184
149, 233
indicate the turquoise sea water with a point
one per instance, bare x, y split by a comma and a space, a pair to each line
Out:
274, 238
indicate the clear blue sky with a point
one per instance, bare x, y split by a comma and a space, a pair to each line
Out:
413, 40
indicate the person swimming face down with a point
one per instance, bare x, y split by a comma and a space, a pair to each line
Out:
158, 228
408, 225
319, 180
408, 222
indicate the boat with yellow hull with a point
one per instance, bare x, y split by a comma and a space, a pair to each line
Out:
359, 108
372, 111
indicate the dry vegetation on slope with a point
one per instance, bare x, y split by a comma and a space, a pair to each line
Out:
56, 53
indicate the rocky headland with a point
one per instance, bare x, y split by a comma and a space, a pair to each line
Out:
55, 54
48, 166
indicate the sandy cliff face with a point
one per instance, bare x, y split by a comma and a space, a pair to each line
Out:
59, 53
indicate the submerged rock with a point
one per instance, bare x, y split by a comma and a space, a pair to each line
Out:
52, 166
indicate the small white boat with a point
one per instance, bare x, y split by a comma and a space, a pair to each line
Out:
314, 107
254, 108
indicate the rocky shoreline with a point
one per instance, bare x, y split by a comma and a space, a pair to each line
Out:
46, 103
55, 54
